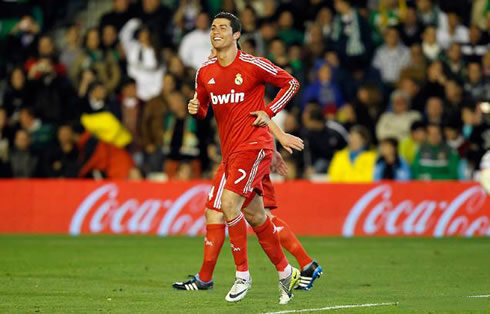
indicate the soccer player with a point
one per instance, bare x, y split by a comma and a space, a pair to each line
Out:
215, 236
234, 82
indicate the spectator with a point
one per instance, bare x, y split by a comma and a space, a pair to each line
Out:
46, 49
388, 14
287, 32
430, 14
454, 98
118, 16
105, 65
180, 140
157, 18
430, 46
314, 42
475, 86
351, 36
476, 47
454, 33
71, 47
434, 111
22, 161
185, 16
324, 19
454, 65
435, 160
410, 29
195, 46
391, 57
397, 123
410, 145
6, 138
62, 160
356, 162
144, 59
95, 99
324, 90
41, 136
476, 131
417, 67
248, 17
436, 81
390, 166
22, 40
322, 138
412, 87
110, 44
455, 139
17, 94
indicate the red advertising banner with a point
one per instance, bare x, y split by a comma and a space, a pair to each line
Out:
382, 209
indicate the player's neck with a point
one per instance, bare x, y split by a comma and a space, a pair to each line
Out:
227, 56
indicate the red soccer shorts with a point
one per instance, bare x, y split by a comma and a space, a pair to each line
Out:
260, 183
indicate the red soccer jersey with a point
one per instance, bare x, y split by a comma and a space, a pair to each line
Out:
237, 90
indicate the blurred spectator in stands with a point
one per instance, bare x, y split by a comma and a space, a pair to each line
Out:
418, 66
434, 111
324, 90
110, 44
356, 162
71, 47
42, 135
105, 65
17, 94
95, 98
412, 87
180, 140
104, 160
268, 31
322, 138
454, 98
62, 160
476, 131
185, 17
54, 94
390, 166
46, 49
389, 13
278, 51
436, 80
287, 31
430, 46
397, 123
195, 46
314, 45
118, 16
486, 64
351, 36
455, 139
391, 57
6, 138
410, 145
144, 58
430, 14
475, 85
23, 162
250, 31
177, 68
435, 160
324, 19
477, 46
410, 29
249, 46
454, 65
454, 33
479, 13
158, 19
22, 40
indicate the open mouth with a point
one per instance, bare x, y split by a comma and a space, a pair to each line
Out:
217, 38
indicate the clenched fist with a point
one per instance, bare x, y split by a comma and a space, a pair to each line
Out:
193, 105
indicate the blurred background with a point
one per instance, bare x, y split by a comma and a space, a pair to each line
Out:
391, 89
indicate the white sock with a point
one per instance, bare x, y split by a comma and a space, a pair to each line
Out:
286, 272
245, 275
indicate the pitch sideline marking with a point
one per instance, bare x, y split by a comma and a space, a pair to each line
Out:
478, 296
334, 307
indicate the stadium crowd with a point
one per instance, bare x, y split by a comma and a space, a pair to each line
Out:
391, 89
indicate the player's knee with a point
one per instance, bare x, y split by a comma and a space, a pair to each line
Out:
255, 219
214, 217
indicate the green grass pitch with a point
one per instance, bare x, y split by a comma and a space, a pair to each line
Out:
133, 274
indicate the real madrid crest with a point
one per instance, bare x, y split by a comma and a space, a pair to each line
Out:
238, 79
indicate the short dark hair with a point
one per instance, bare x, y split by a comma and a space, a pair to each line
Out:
236, 26
390, 140
363, 132
418, 124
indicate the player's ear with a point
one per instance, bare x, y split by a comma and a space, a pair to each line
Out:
236, 35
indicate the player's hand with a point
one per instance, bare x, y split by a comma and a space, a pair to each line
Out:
291, 142
193, 105
262, 118
278, 164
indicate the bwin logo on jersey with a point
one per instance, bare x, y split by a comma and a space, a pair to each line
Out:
230, 98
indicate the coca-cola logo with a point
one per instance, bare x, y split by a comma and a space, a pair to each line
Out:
376, 213
103, 211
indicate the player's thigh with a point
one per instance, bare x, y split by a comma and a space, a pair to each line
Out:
214, 197
231, 204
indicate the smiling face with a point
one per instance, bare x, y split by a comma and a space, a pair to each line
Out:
222, 35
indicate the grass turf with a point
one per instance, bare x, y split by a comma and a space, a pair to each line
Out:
133, 274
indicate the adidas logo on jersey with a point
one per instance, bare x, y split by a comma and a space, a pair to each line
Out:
227, 98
